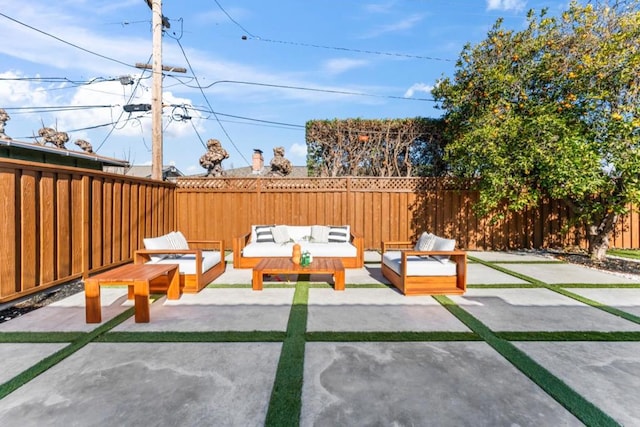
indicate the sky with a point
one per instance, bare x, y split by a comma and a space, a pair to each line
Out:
257, 70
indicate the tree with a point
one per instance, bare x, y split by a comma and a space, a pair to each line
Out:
552, 111
359, 147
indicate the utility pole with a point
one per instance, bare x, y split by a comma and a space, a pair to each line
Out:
156, 92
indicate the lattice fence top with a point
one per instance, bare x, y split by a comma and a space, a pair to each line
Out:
356, 184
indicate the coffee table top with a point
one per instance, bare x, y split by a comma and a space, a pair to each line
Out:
133, 272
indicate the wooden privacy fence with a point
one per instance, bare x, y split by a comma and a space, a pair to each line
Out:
377, 208
61, 223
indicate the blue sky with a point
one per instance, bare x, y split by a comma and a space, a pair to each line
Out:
367, 59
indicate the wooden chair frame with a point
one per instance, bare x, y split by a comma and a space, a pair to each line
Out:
190, 283
426, 285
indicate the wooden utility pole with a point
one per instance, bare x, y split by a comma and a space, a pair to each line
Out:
156, 92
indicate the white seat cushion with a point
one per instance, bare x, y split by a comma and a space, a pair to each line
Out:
187, 262
418, 266
266, 250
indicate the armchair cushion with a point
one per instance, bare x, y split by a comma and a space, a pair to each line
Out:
441, 244
157, 243
417, 265
187, 262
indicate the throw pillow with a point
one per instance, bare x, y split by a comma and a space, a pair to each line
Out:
319, 233
425, 242
443, 245
264, 234
338, 234
280, 234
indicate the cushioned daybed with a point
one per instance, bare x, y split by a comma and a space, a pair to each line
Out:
265, 241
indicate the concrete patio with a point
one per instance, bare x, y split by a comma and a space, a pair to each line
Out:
533, 342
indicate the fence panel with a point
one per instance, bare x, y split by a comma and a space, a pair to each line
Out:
61, 223
378, 208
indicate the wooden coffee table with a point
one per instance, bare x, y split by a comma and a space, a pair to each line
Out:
286, 266
138, 278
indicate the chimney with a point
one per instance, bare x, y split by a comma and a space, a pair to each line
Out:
257, 162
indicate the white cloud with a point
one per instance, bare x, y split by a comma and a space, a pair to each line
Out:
398, 26
341, 65
515, 5
418, 87
299, 150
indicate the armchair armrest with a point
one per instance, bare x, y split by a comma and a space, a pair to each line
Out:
392, 244
217, 245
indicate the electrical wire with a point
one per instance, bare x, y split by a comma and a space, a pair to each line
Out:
209, 104
346, 49
66, 42
233, 20
339, 92
122, 112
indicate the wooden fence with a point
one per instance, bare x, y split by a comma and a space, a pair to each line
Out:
61, 223
378, 208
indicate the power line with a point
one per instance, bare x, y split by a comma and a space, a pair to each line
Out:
233, 20
346, 49
339, 92
208, 103
65, 42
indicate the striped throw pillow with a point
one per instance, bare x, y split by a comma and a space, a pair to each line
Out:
264, 234
338, 234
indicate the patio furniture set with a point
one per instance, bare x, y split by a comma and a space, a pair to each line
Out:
172, 264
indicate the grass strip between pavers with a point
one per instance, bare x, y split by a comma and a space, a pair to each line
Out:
286, 397
569, 336
390, 336
39, 337
584, 410
52, 360
209, 336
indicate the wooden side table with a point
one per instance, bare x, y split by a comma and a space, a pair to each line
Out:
138, 278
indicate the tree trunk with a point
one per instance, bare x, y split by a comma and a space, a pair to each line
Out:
599, 236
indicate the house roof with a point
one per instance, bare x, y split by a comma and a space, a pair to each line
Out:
144, 171
83, 155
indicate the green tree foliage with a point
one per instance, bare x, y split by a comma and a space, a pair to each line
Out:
552, 111
360, 147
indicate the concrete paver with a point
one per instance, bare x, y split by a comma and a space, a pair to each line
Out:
69, 314
605, 373
219, 310
377, 310
537, 309
29, 354
344, 383
434, 383
150, 384
568, 273
627, 300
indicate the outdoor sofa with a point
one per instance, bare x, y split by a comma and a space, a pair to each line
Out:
432, 266
276, 241
197, 267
